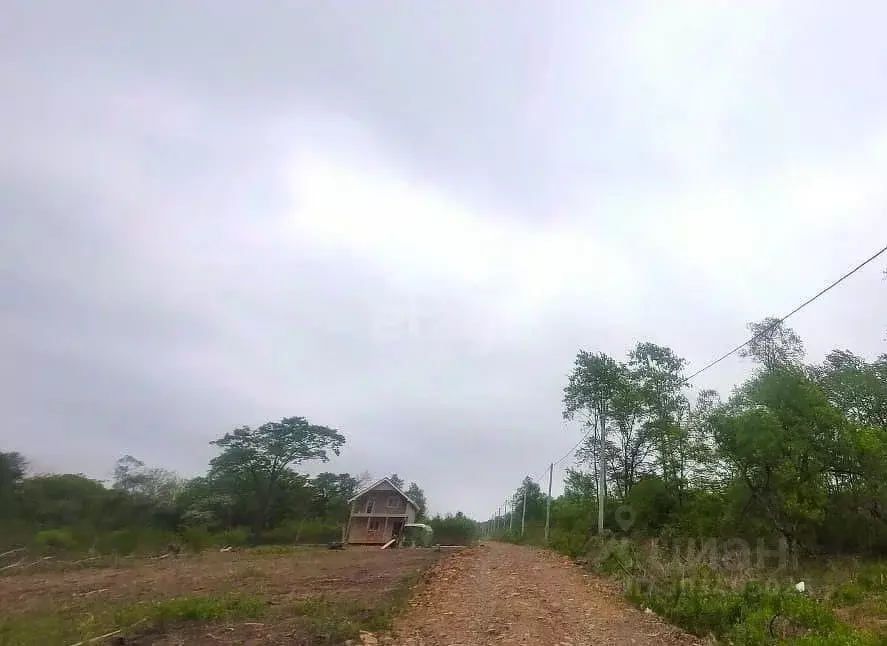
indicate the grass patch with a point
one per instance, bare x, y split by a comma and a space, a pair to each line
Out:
71, 626
753, 614
328, 622
744, 605
283, 549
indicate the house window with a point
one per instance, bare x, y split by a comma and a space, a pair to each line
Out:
374, 525
393, 502
371, 503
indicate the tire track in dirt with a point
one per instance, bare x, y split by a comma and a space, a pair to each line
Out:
507, 594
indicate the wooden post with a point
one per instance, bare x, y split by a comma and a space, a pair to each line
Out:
523, 519
548, 502
602, 475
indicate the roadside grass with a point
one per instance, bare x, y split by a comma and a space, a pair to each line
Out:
68, 626
844, 602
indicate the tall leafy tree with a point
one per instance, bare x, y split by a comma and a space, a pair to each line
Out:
658, 373
159, 485
535, 502
774, 345
590, 392
855, 386
331, 494
417, 495
13, 467
260, 458
782, 438
579, 485
631, 440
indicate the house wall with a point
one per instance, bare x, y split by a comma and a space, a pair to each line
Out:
359, 531
388, 506
381, 499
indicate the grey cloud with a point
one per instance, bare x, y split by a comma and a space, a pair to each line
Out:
151, 302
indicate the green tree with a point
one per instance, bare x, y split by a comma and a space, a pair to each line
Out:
417, 495
657, 371
260, 459
397, 481
331, 494
13, 467
454, 529
579, 485
782, 438
535, 502
159, 485
590, 392
774, 345
856, 387
61, 500
630, 447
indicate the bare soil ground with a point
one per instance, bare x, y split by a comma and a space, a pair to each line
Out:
347, 574
506, 594
491, 594
356, 578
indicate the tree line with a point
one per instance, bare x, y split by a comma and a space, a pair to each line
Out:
798, 451
252, 492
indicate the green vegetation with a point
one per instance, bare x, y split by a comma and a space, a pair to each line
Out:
40, 628
453, 529
327, 621
796, 457
252, 494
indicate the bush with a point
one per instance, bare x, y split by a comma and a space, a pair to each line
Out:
197, 538
709, 602
848, 593
570, 543
236, 537
453, 530
302, 532
59, 539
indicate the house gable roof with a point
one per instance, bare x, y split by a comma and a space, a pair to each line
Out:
389, 483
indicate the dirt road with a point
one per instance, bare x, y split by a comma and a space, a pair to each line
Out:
505, 594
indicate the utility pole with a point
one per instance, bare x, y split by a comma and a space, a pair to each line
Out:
511, 518
548, 502
602, 477
523, 519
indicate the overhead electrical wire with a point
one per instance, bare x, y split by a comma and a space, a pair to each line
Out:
739, 347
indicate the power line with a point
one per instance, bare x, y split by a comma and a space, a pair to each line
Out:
794, 311
754, 337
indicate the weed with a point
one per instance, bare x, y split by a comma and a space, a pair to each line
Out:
332, 622
68, 626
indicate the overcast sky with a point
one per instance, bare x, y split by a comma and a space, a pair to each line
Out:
403, 218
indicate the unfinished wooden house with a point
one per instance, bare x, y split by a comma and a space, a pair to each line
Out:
378, 514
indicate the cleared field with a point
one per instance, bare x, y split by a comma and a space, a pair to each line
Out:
292, 596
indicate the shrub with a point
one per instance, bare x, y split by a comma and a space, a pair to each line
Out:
848, 593
453, 530
197, 538
570, 543
60, 539
236, 537
307, 531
